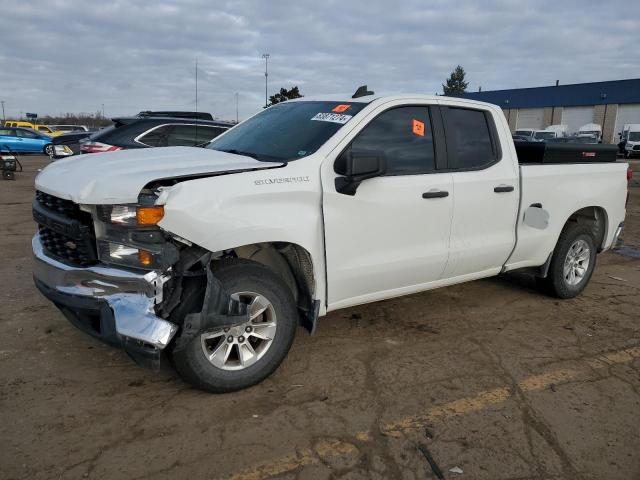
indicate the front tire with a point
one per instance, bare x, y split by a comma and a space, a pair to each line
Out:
572, 263
48, 149
227, 360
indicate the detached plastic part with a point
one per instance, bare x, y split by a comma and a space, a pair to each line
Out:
219, 310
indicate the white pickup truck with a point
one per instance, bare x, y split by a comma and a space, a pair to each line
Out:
215, 255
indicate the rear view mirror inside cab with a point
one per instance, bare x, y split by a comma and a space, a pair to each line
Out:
357, 166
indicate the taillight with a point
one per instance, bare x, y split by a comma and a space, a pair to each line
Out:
98, 147
629, 174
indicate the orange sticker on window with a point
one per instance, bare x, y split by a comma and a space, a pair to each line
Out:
418, 127
341, 108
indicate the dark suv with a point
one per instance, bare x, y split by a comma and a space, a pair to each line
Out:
155, 129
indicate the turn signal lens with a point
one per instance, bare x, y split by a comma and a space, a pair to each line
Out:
149, 215
145, 258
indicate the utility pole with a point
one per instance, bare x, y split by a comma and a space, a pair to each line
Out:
3, 117
196, 85
237, 107
103, 110
266, 78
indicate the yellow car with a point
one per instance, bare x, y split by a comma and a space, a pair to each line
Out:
38, 128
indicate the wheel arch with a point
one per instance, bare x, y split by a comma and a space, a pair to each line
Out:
292, 262
596, 219
294, 265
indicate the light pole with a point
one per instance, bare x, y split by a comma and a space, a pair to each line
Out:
103, 110
266, 78
236, 107
3, 117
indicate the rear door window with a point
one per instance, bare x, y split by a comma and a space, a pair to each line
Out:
471, 142
156, 137
190, 135
7, 133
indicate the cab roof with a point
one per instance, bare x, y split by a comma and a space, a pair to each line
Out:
347, 98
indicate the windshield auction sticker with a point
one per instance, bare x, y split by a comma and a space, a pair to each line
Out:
340, 108
332, 117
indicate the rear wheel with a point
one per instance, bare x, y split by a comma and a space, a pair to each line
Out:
572, 263
48, 149
233, 358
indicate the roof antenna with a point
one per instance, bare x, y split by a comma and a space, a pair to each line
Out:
362, 92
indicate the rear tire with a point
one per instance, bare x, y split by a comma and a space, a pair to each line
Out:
48, 149
572, 263
213, 373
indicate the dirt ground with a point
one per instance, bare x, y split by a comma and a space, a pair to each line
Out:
491, 377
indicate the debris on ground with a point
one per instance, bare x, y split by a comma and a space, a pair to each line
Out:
617, 278
457, 470
432, 463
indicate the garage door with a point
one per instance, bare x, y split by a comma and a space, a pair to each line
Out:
626, 114
575, 117
530, 118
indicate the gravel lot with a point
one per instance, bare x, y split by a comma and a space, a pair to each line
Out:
491, 377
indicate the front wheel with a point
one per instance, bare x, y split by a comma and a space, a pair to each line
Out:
230, 359
48, 149
572, 263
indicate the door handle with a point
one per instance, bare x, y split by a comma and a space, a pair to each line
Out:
503, 188
435, 194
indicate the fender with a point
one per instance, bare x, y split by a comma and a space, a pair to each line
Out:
230, 211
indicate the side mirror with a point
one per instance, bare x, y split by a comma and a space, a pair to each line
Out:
357, 166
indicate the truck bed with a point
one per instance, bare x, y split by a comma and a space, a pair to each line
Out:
554, 153
556, 191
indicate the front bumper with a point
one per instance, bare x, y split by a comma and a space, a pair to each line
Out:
113, 305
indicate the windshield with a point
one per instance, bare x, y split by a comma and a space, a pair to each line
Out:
287, 131
544, 135
524, 133
634, 136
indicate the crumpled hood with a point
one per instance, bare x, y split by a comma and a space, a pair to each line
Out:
118, 177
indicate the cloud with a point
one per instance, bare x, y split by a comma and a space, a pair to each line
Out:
64, 56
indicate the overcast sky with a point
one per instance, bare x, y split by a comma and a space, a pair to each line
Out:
73, 56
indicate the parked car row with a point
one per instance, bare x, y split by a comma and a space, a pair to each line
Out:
51, 130
589, 133
147, 129
629, 144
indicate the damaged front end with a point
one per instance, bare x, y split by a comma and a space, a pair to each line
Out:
118, 277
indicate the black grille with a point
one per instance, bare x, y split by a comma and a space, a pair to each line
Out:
636, 147
70, 250
66, 232
59, 205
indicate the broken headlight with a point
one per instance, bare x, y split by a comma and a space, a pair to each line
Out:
128, 235
131, 256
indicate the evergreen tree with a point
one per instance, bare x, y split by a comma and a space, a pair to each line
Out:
284, 95
455, 83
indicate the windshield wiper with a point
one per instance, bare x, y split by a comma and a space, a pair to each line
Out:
238, 152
